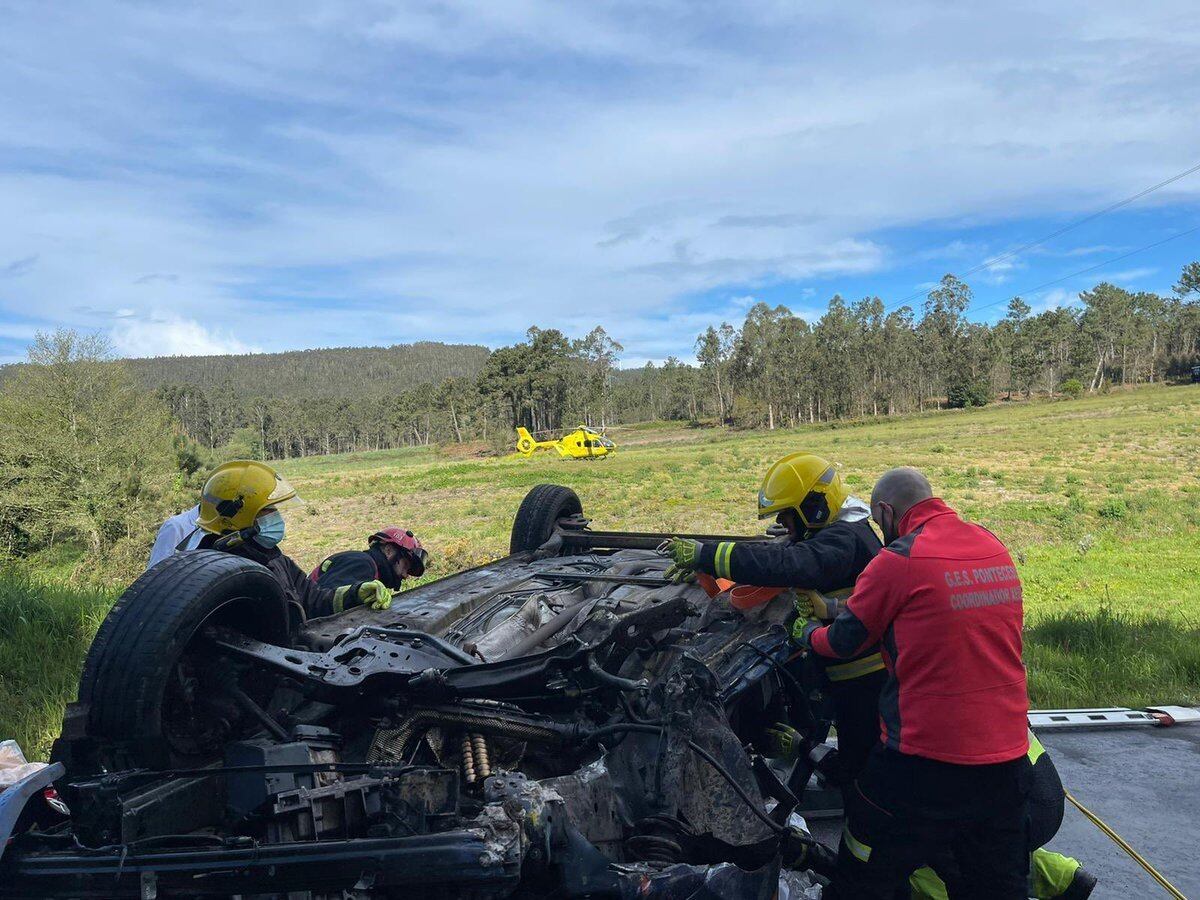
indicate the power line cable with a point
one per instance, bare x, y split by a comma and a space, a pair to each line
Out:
1107, 262
1070, 226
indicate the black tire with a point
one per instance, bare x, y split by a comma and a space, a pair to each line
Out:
539, 512
139, 644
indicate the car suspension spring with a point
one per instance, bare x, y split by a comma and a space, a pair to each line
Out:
391, 743
468, 759
658, 840
654, 848
483, 765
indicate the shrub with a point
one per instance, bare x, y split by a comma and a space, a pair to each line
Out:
244, 443
1113, 508
1072, 387
963, 393
86, 452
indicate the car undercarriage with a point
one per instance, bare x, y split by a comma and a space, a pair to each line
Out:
564, 721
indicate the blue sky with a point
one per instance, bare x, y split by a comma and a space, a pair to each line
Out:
212, 177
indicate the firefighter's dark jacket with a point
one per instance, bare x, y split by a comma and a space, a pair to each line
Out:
316, 601
353, 567
829, 560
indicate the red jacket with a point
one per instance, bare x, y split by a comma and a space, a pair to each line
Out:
945, 599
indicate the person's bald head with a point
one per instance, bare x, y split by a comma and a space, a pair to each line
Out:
896, 492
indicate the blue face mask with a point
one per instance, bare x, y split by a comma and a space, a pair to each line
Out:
271, 529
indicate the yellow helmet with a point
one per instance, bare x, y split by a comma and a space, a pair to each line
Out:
237, 492
806, 483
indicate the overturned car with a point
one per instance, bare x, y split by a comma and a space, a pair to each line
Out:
561, 722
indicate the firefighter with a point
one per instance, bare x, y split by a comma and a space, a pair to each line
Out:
948, 779
829, 542
392, 554
240, 514
1052, 876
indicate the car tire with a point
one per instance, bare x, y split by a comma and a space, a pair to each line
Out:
538, 515
147, 630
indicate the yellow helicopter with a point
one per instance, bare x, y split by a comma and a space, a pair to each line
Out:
582, 443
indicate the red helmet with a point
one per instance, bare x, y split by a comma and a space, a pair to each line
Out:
405, 540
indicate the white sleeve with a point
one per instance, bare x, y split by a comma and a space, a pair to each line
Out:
169, 535
172, 531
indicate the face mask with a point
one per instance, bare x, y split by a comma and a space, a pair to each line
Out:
271, 529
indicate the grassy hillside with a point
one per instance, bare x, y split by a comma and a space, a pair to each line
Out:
1098, 498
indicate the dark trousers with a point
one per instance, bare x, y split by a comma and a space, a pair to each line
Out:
906, 812
856, 716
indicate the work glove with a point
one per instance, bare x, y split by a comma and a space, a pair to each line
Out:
783, 741
684, 553
678, 575
804, 606
802, 632
375, 594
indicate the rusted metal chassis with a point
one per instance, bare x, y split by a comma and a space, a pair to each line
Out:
434, 669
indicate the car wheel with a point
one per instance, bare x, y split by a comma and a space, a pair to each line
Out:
149, 693
538, 515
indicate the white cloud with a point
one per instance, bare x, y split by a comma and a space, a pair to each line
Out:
1053, 299
1001, 271
1092, 250
370, 172
1128, 277
172, 336
956, 249
17, 331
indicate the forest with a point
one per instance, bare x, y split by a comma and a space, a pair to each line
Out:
860, 359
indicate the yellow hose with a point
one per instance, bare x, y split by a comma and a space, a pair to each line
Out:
1120, 842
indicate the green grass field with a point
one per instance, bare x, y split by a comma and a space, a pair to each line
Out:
45, 631
1098, 498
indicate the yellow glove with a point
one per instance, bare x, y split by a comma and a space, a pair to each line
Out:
677, 574
683, 552
804, 605
374, 594
784, 742
802, 630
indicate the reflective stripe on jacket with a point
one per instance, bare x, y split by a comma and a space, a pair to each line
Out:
829, 560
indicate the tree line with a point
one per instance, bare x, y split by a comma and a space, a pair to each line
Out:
859, 359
